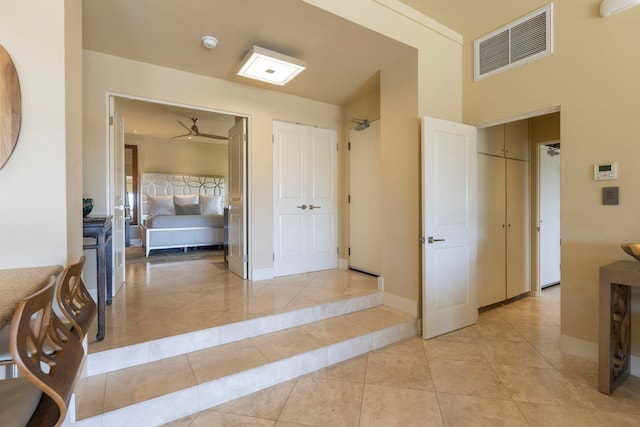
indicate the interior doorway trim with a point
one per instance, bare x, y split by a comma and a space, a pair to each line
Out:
247, 172
522, 116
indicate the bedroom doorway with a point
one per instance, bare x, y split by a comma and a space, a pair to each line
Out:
165, 140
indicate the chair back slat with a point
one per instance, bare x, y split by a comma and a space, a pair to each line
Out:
47, 353
74, 299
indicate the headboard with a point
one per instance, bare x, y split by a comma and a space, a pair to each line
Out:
168, 184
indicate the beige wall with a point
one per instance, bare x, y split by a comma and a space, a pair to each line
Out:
592, 76
426, 84
400, 192
104, 73
40, 222
434, 89
180, 157
367, 107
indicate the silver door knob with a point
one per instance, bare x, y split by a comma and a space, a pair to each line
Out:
430, 239
312, 207
303, 207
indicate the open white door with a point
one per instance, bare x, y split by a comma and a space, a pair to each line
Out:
237, 243
116, 131
449, 222
549, 216
365, 223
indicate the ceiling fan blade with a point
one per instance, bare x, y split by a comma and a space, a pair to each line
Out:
181, 136
208, 135
185, 126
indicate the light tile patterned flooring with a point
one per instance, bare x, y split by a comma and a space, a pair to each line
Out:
169, 298
505, 370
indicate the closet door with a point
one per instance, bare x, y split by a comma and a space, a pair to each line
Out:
305, 199
516, 140
323, 199
517, 181
491, 230
491, 140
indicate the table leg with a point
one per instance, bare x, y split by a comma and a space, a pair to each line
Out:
101, 286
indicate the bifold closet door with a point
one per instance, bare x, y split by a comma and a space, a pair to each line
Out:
517, 180
491, 230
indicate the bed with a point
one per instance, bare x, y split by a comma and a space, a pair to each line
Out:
181, 211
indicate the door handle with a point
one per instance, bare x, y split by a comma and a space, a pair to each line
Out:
312, 207
303, 207
430, 239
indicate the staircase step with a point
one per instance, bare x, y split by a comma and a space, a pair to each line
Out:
224, 366
150, 351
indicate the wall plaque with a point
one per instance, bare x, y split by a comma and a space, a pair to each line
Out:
10, 107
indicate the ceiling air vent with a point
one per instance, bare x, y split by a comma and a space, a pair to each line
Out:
517, 43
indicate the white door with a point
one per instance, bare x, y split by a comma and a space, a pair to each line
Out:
518, 247
305, 199
365, 224
322, 233
118, 191
237, 219
491, 282
449, 222
549, 216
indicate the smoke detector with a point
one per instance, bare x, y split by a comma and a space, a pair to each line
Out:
209, 42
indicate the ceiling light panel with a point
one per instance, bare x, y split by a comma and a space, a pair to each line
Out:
271, 67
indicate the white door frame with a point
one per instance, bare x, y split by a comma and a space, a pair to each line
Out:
248, 173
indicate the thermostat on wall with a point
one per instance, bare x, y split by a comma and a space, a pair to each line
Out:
605, 171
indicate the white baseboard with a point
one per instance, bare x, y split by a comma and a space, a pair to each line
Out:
400, 303
577, 347
262, 273
343, 263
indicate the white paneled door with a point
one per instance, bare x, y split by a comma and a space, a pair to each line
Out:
237, 219
305, 199
449, 222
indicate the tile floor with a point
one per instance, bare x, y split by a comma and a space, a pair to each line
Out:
505, 370
169, 298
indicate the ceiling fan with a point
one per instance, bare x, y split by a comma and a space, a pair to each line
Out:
194, 131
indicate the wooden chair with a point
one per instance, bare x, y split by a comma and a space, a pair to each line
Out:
48, 355
75, 301
76, 305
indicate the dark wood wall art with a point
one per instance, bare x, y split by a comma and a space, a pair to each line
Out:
10, 107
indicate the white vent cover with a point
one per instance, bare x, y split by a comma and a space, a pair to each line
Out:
521, 41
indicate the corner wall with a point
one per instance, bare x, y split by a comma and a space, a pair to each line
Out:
41, 219
106, 73
592, 76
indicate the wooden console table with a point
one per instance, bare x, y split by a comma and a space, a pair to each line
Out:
99, 228
616, 280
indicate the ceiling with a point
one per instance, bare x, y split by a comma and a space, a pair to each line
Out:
468, 17
160, 121
343, 59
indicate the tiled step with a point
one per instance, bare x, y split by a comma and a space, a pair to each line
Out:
170, 388
150, 351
